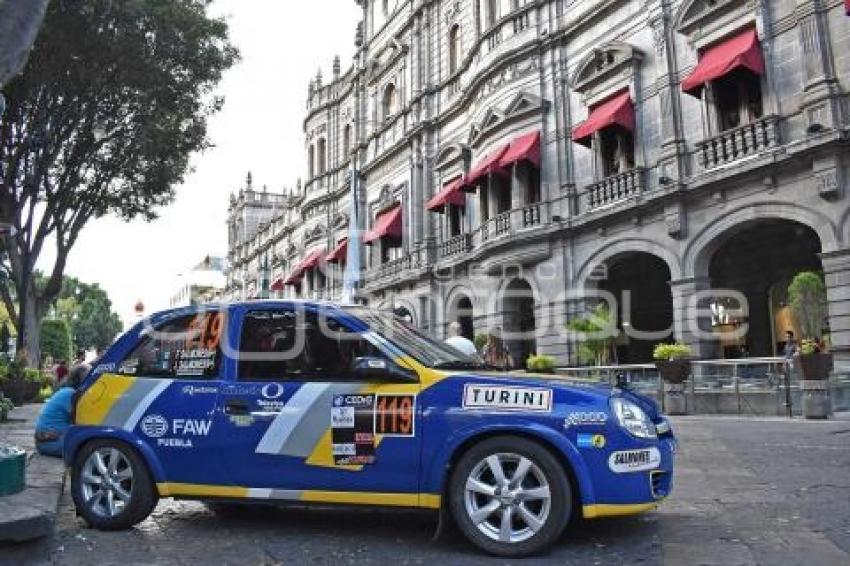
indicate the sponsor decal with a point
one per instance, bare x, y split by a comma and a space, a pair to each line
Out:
241, 420
626, 461
129, 367
240, 389
194, 362
395, 415
353, 429
199, 390
155, 426
507, 398
181, 430
104, 368
590, 441
272, 391
581, 418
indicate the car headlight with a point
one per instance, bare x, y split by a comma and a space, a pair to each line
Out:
632, 418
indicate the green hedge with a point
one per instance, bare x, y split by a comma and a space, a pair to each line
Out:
56, 339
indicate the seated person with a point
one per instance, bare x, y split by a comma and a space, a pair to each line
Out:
55, 417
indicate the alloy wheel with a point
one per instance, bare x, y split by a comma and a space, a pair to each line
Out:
107, 482
507, 497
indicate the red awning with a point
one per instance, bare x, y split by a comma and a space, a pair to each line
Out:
740, 52
488, 165
616, 111
339, 253
309, 262
451, 194
387, 225
524, 148
277, 284
847, 6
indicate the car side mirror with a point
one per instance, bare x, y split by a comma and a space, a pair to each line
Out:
379, 369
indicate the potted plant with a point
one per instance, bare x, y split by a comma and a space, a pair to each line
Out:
6, 407
595, 334
673, 362
674, 366
540, 364
807, 299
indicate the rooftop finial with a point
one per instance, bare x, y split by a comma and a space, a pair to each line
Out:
336, 67
249, 180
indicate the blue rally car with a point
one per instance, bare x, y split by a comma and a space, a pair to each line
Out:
314, 402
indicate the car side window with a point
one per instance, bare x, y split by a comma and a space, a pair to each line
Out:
285, 345
187, 347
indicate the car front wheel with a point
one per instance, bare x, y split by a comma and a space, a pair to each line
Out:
510, 496
111, 486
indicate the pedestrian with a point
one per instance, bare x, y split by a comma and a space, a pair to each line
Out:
460, 343
495, 353
55, 417
60, 371
789, 350
80, 357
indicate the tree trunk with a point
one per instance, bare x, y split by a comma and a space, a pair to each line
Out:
19, 23
29, 318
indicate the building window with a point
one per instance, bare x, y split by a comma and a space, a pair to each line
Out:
737, 99
311, 162
455, 216
322, 154
385, 7
454, 49
346, 141
389, 101
616, 151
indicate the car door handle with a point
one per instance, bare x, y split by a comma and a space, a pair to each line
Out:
236, 407
265, 414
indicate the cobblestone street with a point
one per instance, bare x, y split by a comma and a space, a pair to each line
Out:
748, 492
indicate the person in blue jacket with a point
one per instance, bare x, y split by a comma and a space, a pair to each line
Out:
55, 417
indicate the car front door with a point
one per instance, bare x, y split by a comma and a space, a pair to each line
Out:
296, 422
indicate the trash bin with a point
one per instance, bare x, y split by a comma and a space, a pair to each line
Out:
12, 469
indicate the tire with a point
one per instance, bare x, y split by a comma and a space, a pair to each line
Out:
133, 494
533, 521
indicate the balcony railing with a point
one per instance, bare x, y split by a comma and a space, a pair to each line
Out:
737, 143
417, 257
499, 225
454, 246
616, 188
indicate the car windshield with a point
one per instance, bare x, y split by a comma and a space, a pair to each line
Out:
412, 341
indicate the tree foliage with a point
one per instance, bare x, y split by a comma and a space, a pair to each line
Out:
807, 295
88, 311
55, 339
111, 104
595, 333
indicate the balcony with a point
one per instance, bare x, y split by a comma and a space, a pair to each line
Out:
457, 245
616, 188
738, 143
511, 222
417, 258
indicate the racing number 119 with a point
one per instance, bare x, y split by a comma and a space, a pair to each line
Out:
394, 415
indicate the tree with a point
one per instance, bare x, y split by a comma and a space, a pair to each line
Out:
112, 103
88, 311
55, 339
807, 295
595, 333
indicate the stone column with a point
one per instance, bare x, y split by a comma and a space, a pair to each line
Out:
820, 102
691, 318
836, 268
518, 186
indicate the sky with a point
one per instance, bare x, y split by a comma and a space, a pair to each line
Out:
283, 44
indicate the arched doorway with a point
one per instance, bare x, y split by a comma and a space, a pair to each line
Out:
640, 285
518, 311
465, 317
759, 260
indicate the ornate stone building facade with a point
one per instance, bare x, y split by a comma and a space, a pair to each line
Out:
515, 159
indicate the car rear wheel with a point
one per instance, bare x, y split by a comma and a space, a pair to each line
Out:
510, 496
111, 486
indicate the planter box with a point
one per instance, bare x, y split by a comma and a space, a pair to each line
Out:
674, 371
815, 367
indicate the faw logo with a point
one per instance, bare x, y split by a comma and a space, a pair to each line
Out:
191, 427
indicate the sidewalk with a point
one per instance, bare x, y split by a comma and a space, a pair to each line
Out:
32, 513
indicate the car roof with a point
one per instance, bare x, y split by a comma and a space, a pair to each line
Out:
178, 311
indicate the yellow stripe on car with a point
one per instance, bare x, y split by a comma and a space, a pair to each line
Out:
170, 489
96, 402
616, 510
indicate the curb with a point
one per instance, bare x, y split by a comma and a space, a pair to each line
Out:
31, 513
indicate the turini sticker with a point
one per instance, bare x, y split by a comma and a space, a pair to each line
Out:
507, 398
627, 461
